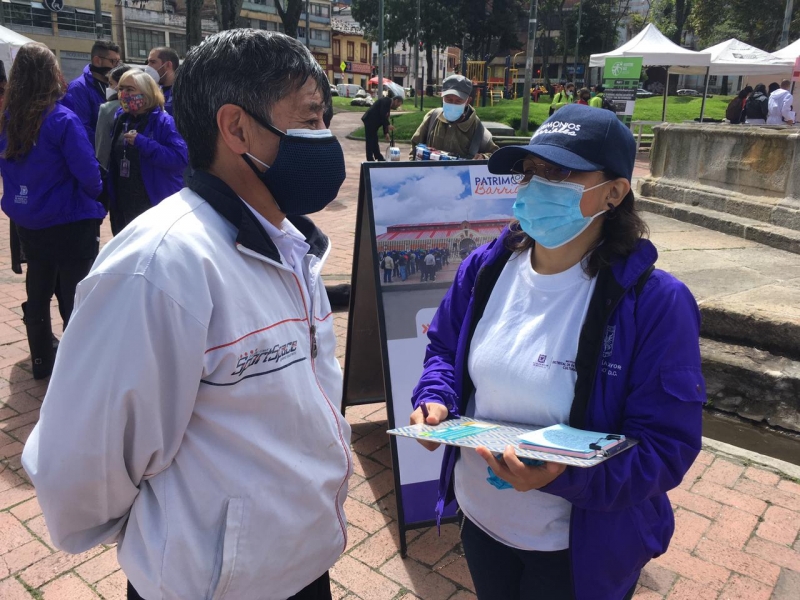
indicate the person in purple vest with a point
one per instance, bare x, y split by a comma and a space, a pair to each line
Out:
148, 155
563, 319
51, 180
87, 92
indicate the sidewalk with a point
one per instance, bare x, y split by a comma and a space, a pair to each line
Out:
737, 519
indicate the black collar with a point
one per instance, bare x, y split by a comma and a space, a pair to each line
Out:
251, 233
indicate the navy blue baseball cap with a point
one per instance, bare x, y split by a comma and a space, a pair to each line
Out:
576, 137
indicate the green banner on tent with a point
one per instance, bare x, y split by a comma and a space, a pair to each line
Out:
623, 67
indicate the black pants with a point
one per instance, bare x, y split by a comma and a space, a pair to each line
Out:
317, 590
500, 572
42, 278
373, 146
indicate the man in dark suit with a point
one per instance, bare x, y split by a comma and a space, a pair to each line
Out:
375, 118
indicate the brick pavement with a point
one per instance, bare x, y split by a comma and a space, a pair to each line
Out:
737, 521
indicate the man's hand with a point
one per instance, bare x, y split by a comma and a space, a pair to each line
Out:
523, 478
436, 414
391, 127
386, 137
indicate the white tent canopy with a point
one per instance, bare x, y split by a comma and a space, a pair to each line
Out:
658, 50
791, 51
10, 43
733, 57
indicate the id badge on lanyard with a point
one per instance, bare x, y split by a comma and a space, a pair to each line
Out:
124, 163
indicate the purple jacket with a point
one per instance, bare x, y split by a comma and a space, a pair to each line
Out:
162, 152
58, 180
84, 96
638, 367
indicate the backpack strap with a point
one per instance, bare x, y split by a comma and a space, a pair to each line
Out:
477, 140
642, 281
432, 124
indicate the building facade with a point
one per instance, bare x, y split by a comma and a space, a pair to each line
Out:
69, 33
351, 54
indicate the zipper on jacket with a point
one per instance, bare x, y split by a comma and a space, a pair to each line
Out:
312, 330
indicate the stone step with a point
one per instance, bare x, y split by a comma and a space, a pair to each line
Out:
747, 228
753, 384
772, 211
754, 325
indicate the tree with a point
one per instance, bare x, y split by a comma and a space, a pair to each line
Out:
290, 16
715, 21
194, 32
228, 13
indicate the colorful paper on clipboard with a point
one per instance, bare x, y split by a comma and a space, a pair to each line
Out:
458, 432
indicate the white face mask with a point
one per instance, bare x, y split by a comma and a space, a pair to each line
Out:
111, 93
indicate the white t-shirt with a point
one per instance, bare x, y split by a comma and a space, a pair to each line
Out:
522, 362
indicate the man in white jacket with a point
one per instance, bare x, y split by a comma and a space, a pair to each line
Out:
193, 414
780, 105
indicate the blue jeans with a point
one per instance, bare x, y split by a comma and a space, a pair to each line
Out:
402, 273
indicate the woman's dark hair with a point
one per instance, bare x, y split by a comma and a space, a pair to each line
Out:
773, 86
622, 229
745, 92
34, 85
117, 72
760, 88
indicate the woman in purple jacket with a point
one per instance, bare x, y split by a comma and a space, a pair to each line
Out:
562, 319
51, 180
148, 155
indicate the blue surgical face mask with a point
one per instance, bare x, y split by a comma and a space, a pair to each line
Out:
453, 112
551, 212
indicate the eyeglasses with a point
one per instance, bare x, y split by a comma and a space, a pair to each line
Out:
525, 173
115, 62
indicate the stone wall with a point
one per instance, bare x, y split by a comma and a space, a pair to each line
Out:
748, 171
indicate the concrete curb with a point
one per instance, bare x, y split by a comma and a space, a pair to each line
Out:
781, 466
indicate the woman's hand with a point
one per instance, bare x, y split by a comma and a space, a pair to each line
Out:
436, 414
522, 478
130, 137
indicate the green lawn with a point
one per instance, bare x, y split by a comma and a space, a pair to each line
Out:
679, 109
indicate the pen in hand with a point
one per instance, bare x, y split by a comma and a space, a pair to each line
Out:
424, 408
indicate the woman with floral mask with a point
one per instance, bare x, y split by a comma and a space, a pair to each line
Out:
148, 155
563, 319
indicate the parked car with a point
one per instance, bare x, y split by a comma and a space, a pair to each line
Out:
643, 93
334, 90
349, 90
689, 93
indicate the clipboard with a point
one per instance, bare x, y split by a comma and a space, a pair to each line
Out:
466, 432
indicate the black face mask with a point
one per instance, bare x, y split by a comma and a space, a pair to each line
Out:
307, 173
102, 71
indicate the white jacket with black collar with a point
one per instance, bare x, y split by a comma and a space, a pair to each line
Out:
194, 411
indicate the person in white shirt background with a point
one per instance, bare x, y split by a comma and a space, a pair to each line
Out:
193, 415
780, 106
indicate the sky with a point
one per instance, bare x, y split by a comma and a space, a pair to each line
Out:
411, 194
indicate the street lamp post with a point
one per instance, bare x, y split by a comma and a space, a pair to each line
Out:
308, 27
380, 48
416, 55
578, 41
526, 90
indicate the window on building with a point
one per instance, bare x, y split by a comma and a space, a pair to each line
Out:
337, 47
259, 24
364, 53
76, 22
712, 80
141, 41
263, 2
177, 42
351, 51
29, 17
321, 10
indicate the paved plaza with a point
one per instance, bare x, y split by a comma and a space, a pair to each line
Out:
737, 514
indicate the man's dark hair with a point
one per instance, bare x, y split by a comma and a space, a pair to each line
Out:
599, 89
773, 86
168, 55
102, 48
117, 72
253, 69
